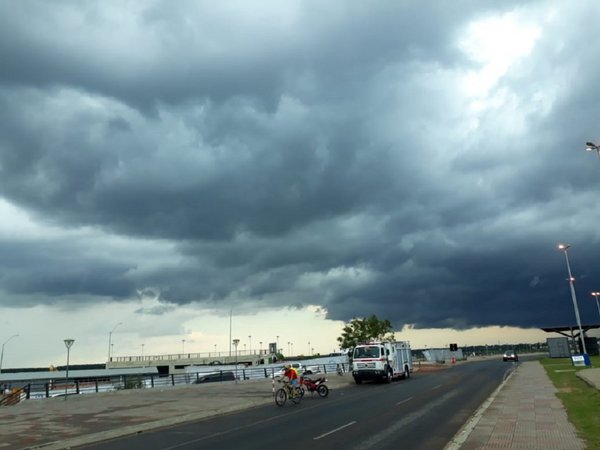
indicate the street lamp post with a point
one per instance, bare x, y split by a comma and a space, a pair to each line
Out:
250, 344
564, 248
235, 344
230, 320
110, 339
68, 343
595, 294
183, 346
590, 147
2, 353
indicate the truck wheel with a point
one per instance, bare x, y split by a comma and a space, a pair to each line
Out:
388, 376
357, 380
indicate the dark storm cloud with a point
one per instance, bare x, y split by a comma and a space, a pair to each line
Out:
298, 153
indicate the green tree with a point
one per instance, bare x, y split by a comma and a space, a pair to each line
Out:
363, 330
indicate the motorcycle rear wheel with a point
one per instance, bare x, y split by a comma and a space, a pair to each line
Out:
323, 390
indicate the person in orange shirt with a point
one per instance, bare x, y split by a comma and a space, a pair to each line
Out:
292, 375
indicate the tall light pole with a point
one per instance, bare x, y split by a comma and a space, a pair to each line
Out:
277, 349
230, 319
110, 339
235, 344
595, 294
2, 353
68, 343
564, 248
250, 344
182, 346
590, 147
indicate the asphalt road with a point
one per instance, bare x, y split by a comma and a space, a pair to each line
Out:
424, 412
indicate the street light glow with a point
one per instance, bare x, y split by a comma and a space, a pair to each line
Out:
591, 147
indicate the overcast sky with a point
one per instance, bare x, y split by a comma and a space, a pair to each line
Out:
163, 162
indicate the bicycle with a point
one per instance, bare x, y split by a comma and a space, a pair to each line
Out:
287, 391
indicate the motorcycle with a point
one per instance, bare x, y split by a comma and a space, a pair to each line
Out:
318, 385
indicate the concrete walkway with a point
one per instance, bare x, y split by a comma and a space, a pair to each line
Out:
523, 413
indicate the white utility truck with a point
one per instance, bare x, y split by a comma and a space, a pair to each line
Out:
381, 361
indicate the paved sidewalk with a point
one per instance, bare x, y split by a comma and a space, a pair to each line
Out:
523, 413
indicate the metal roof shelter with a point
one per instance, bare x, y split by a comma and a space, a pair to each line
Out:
573, 330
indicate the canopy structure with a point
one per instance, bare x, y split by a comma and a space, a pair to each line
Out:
573, 330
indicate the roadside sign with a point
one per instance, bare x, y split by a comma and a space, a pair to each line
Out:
581, 360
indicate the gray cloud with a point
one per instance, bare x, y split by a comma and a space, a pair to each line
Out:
299, 153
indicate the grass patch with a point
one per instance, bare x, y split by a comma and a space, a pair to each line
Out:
581, 401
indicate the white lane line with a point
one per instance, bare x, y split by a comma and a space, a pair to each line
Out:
404, 401
436, 387
335, 430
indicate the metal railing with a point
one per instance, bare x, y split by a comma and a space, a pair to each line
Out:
41, 389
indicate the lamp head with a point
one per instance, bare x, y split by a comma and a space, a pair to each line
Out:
563, 246
590, 145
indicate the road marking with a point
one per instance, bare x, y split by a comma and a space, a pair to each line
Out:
335, 430
404, 401
436, 387
375, 441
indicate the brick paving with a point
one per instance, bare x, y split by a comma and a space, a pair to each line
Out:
523, 414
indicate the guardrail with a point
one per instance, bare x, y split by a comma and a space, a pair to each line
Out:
41, 389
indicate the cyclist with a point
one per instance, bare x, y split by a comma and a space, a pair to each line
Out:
292, 375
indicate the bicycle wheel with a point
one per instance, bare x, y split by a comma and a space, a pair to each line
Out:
296, 396
280, 397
